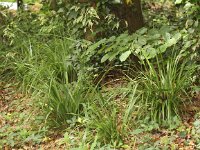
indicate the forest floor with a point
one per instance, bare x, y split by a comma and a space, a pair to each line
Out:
18, 119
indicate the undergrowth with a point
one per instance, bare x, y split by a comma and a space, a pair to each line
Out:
71, 84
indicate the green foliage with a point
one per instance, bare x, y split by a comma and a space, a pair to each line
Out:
106, 126
82, 17
48, 55
145, 44
28, 125
66, 101
164, 85
91, 17
196, 130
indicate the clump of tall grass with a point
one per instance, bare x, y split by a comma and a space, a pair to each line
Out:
164, 87
47, 70
104, 121
66, 100
111, 120
42, 61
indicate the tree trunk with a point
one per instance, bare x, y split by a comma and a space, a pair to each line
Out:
20, 4
134, 16
131, 13
53, 4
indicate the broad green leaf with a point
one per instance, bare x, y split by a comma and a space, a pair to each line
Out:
121, 37
105, 57
113, 55
125, 55
178, 1
167, 36
116, 1
142, 31
162, 48
149, 52
171, 42
164, 30
95, 45
187, 44
177, 36
111, 39
61, 10
154, 37
142, 41
110, 48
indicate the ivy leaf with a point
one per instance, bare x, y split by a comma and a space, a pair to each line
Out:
125, 55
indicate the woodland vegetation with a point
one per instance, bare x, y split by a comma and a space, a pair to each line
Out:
100, 75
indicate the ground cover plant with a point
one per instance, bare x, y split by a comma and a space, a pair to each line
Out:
84, 74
